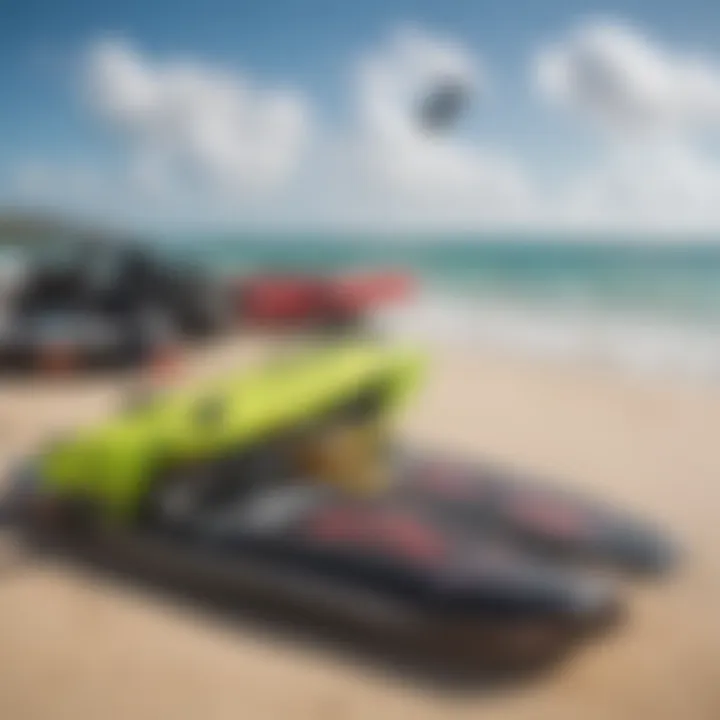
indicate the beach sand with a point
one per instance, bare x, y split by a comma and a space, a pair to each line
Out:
76, 646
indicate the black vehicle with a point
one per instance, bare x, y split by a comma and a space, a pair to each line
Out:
553, 521
285, 477
100, 303
393, 567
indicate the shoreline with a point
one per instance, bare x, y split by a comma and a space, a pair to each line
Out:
569, 333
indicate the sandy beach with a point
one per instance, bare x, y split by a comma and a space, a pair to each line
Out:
74, 646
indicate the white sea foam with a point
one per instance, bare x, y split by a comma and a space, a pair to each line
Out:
634, 342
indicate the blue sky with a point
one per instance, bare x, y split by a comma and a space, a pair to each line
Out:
311, 46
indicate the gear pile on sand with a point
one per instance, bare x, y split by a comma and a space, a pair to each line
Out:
285, 473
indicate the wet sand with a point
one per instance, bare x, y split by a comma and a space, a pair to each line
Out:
76, 645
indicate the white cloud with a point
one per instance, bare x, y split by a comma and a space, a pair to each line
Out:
390, 79
208, 145
407, 169
647, 186
621, 77
651, 171
185, 120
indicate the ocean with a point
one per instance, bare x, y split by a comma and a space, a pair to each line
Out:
646, 305
643, 305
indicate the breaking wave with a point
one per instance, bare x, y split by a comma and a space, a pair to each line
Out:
636, 342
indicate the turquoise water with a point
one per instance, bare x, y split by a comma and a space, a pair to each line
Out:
641, 305
674, 281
